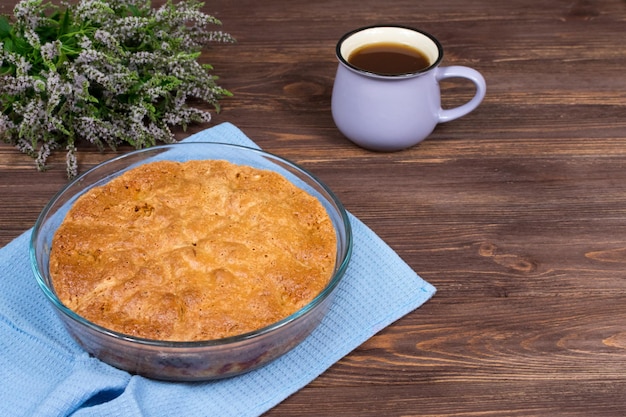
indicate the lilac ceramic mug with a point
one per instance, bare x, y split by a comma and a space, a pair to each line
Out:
384, 112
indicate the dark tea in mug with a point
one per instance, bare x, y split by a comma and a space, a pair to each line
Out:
389, 58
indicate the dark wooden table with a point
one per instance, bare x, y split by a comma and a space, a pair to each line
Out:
516, 213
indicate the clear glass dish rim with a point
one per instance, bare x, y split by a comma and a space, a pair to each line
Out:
336, 278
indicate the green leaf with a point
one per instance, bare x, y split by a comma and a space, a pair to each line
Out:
134, 10
6, 70
8, 45
21, 46
65, 23
5, 27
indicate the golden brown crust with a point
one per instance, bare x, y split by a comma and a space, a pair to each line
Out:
192, 251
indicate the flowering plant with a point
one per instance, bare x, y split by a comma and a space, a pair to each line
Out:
106, 71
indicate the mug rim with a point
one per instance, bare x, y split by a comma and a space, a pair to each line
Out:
347, 35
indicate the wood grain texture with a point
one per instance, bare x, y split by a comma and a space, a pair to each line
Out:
516, 212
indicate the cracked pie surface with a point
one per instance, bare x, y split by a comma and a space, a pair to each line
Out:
188, 251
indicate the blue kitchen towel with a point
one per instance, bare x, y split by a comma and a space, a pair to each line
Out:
43, 372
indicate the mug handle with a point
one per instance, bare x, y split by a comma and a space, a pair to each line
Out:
456, 71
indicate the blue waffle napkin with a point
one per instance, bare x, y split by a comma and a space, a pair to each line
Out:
43, 372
